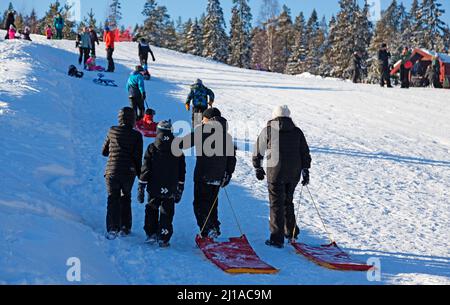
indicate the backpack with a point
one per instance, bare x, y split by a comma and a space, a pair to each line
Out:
73, 72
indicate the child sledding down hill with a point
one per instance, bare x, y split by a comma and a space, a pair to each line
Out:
92, 66
147, 127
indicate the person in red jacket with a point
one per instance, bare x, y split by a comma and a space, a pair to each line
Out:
109, 42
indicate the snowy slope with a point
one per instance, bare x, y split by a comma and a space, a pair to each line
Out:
380, 173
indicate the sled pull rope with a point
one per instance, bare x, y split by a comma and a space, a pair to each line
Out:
234, 213
209, 214
320, 216
298, 212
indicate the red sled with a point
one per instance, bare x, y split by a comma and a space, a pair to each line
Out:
331, 257
146, 126
235, 256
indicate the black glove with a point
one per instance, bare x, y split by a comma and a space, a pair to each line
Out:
305, 174
260, 174
179, 193
141, 192
144, 96
226, 180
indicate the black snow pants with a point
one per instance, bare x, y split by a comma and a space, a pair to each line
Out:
404, 76
356, 75
385, 76
84, 52
119, 202
109, 57
197, 116
143, 59
282, 213
159, 214
205, 196
138, 105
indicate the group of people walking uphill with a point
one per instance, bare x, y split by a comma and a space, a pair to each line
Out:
161, 170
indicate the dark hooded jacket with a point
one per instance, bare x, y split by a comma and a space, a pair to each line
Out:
383, 58
9, 20
162, 170
211, 166
124, 146
281, 135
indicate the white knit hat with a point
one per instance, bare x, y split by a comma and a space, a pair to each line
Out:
281, 111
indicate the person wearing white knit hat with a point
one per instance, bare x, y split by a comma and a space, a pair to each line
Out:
288, 159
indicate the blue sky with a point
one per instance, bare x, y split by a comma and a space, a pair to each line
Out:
193, 8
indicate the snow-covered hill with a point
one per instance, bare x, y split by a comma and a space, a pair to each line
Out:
381, 171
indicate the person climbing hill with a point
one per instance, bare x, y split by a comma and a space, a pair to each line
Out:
136, 92
201, 97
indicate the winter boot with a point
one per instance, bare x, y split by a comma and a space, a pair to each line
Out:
124, 232
214, 233
273, 244
163, 244
111, 235
151, 239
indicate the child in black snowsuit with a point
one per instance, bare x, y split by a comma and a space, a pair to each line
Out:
163, 175
144, 50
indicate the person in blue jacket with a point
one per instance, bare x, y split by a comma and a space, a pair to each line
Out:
136, 91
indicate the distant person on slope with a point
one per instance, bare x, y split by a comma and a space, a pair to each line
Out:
26, 33
94, 39
162, 175
85, 46
216, 162
10, 19
124, 147
136, 92
144, 50
201, 97
58, 23
357, 67
49, 32
383, 59
405, 68
288, 159
109, 38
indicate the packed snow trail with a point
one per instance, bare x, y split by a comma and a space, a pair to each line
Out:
380, 171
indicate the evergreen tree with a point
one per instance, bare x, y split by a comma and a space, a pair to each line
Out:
344, 38
299, 51
215, 40
169, 35
91, 21
260, 51
114, 14
315, 40
283, 41
363, 34
240, 36
433, 26
416, 24
183, 38
155, 22
33, 22
194, 40
326, 66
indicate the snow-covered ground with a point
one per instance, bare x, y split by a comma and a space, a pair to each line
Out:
381, 172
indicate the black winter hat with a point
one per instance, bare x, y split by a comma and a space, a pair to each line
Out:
127, 117
211, 113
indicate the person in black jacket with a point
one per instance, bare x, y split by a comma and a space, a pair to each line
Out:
357, 67
10, 19
215, 166
94, 39
144, 50
124, 147
289, 159
163, 174
383, 59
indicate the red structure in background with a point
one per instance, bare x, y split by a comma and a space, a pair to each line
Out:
124, 36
